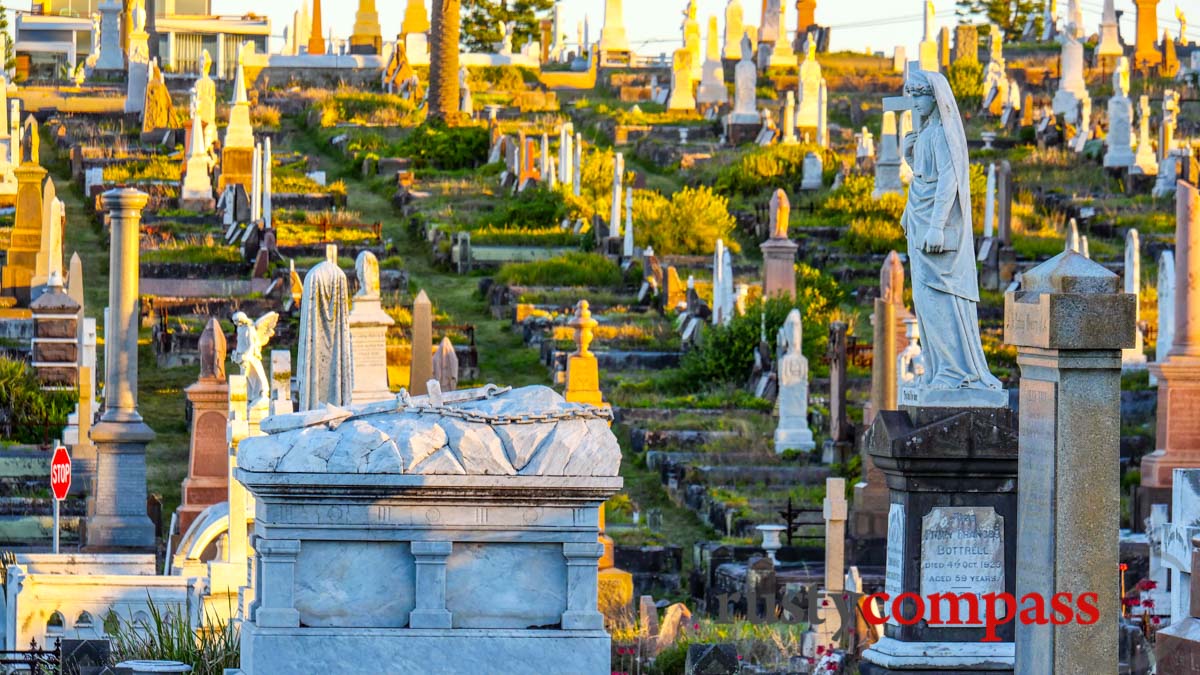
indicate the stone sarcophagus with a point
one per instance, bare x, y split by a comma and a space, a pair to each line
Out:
453, 534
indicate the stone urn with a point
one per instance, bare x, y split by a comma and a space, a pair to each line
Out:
770, 539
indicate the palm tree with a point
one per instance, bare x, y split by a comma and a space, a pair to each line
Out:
443, 68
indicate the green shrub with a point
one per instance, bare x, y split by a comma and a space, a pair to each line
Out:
572, 269
27, 412
537, 207
966, 79
853, 200
871, 235
762, 169
690, 222
670, 661
207, 255
437, 146
726, 353
595, 187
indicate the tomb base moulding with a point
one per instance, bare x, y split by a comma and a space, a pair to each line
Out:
951, 473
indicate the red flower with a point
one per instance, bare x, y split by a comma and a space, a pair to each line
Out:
1147, 603
820, 649
831, 666
1129, 602
1154, 620
739, 657
1148, 584
696, 626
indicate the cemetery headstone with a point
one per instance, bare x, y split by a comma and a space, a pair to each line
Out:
1178, 437
368, 334
208, 459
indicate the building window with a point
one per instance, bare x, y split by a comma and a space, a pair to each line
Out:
55, 625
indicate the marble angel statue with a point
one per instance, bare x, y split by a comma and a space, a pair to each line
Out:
252, 336
937, 226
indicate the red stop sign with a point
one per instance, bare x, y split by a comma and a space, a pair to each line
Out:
60, 473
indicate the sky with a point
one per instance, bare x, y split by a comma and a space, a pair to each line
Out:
653, 25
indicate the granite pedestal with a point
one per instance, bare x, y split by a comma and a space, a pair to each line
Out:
952, 528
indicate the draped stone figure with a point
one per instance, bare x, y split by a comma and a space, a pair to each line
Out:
937, 225
325, 365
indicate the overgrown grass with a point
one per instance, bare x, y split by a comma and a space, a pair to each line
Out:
209, 649
572, 269
161, 168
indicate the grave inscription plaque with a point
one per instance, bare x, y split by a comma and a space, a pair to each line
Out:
962, 551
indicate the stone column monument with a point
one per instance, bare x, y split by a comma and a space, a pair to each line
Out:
779, 252
1120, 120
1069, 442
1178, 437
119, 519
887, 164
734, 31
1110, 34
237, 151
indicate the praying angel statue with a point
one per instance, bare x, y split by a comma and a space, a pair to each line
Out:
252, 336
941, 252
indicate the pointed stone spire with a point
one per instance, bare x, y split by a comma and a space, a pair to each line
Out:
316, 38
